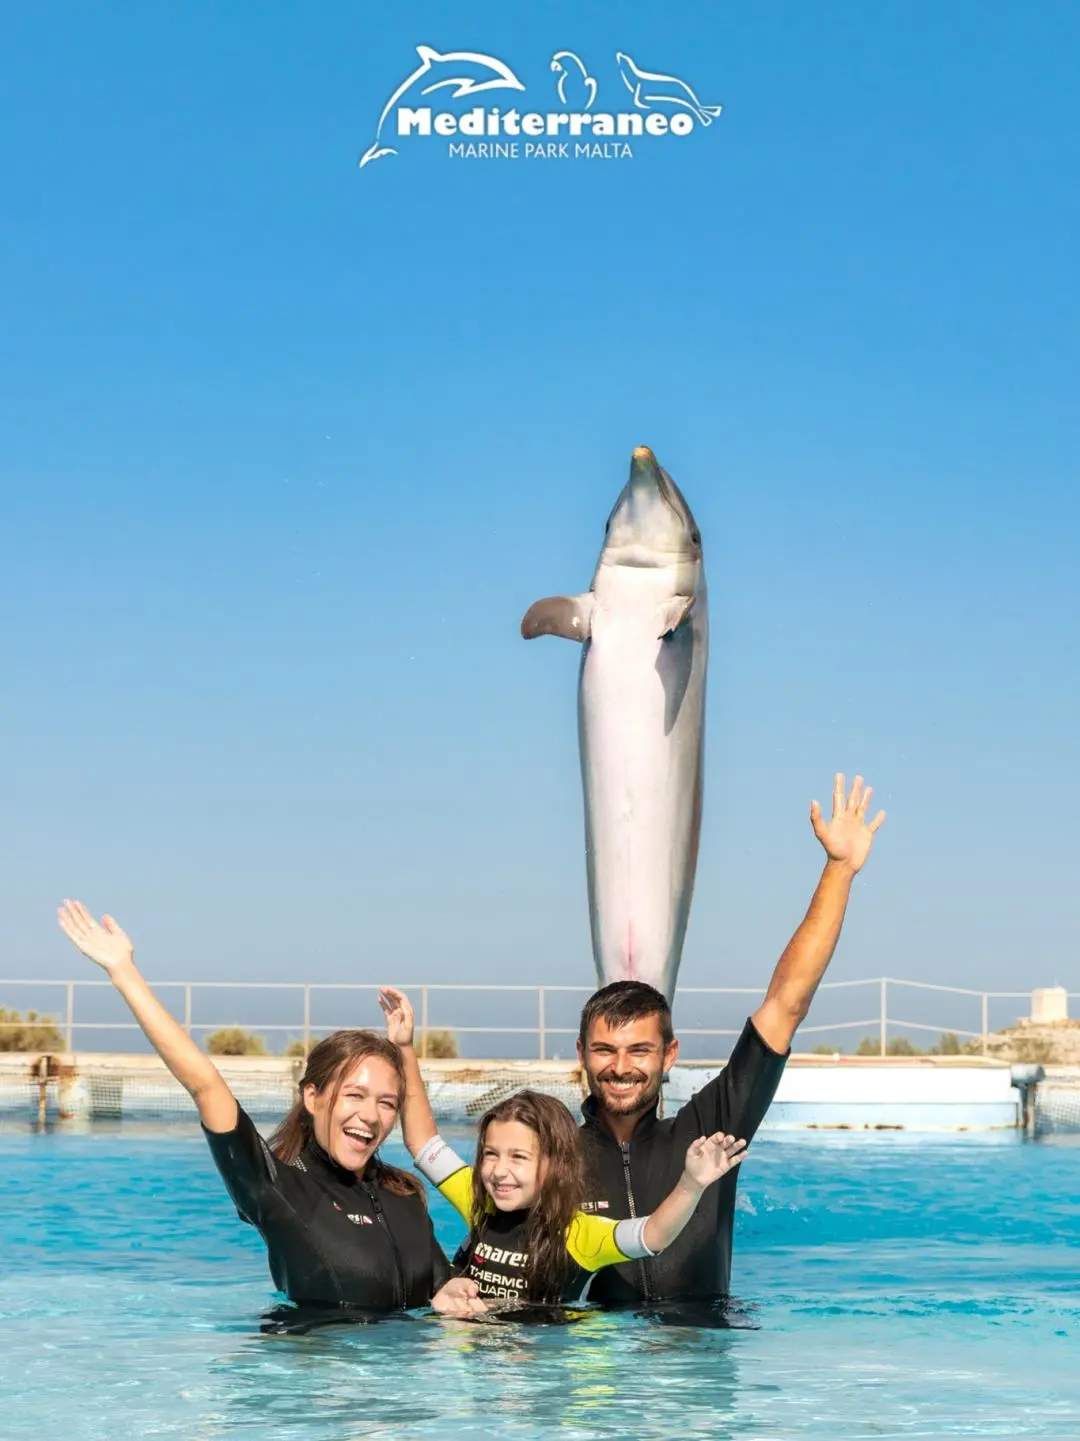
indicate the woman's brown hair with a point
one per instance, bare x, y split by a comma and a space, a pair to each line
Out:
328, 1064
560, 1194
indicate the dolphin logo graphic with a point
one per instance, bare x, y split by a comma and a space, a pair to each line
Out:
447, 67
565, 73
651, 91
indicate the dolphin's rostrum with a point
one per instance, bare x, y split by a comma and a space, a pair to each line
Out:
641, 706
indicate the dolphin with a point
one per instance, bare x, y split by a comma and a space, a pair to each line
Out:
644, 629
495, 76
651, 90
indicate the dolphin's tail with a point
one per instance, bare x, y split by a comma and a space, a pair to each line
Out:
708, 113
374, 152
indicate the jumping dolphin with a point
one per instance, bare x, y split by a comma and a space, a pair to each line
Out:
641, 709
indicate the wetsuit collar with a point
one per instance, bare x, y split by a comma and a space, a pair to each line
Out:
320, 1161
505, 1221
593, 1119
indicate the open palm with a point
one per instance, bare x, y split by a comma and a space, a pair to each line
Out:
847, 836
710, 1157
105, 943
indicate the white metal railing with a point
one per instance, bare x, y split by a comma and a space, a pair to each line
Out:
881, 1021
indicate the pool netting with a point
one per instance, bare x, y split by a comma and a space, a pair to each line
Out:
266, 1096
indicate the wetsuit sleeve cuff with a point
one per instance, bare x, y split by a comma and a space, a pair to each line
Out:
763, 1043
630, 1238
437, 1161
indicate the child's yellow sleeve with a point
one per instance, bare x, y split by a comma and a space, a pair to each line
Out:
597, 1241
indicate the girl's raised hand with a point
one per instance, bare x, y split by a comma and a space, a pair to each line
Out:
400, 1023
710, 1157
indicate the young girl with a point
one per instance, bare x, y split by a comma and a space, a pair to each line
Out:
528, 1238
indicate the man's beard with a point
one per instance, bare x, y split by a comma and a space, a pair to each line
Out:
630, 1105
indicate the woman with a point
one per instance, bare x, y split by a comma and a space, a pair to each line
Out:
343, 1228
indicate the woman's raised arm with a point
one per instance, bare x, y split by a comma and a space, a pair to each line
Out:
114, 953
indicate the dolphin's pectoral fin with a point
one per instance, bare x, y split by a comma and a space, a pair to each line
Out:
674, 612
567, 615
674, 664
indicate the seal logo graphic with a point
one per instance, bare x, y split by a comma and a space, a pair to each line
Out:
652, 91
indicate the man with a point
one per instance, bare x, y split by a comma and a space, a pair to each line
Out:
627, 1047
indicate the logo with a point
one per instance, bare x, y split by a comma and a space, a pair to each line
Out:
506, 128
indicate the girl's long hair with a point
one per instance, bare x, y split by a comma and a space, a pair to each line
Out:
561, 1191
327, 1066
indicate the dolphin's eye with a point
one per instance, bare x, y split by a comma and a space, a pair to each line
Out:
695, 537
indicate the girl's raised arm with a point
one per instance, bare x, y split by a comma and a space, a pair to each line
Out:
707, 1159
417, 1122
114, 953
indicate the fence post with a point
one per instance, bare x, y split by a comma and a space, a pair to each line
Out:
69, 1027
307, 1019
985, 1023
884, 1015
187, 1007
542, 1025
423, 1023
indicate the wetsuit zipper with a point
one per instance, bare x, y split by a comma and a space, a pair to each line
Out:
399, 1273
624, 1147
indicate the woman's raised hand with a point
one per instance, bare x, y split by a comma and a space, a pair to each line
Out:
104, 943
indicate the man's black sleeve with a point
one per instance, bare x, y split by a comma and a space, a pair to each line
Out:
736, 1100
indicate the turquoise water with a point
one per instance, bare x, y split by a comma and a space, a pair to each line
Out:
889, 1285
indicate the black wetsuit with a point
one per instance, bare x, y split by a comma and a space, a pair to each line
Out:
333, 1240
632, 1179
497, 1261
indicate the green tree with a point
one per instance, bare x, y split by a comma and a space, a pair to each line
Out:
235, 1041
898, 1046
36, 1033
441, 1046
950, 1044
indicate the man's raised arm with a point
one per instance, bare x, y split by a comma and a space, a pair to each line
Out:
847, 839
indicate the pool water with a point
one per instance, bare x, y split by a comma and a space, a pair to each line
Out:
889, 1285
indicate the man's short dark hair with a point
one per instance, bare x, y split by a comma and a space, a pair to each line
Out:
626, 1001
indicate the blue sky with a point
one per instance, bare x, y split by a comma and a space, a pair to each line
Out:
288, 447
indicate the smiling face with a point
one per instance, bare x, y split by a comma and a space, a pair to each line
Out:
626, 1064
352, 1124
511, 1167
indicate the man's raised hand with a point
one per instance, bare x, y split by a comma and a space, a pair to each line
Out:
847, 836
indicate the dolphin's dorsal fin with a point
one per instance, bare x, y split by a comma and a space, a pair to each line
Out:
426, 53
674, 611
567, 615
